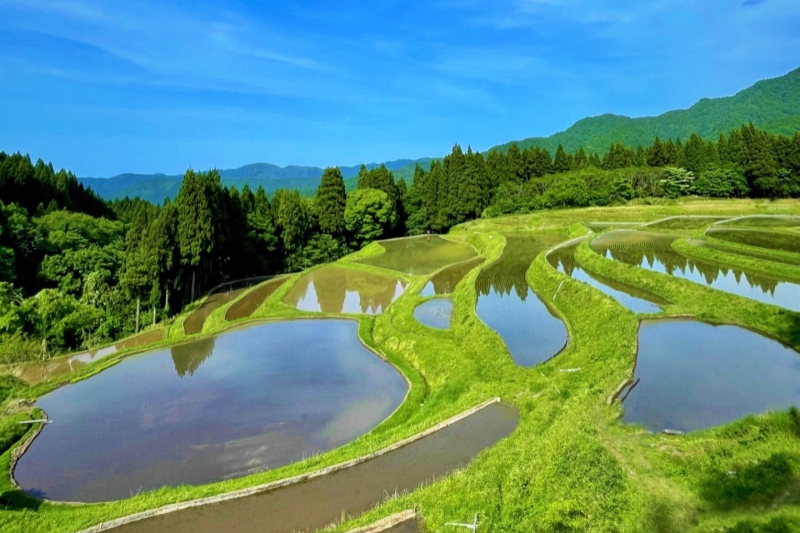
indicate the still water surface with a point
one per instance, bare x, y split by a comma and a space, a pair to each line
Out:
420, 256
507, 304
435, 313
352, 491
334, 289
445, 281
638, 301
221, 407
711, 376
653, 252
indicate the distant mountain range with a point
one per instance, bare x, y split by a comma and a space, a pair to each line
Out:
773, 105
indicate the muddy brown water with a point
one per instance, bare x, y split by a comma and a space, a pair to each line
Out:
323, 500
252, 301
36, 372
220, 407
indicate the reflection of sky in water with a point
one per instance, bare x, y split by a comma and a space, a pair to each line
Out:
637, 305
785, 294
219, 407
712, 376
349, 301
435, 313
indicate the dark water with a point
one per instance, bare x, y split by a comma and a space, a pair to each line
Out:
653, 252
435, 313
248, 304
507, 304
445, 281
694, 375
323, 500
224, 294
638, 301
420, 256
246, 401
335, 289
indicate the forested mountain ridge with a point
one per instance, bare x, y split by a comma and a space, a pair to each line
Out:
772, 105
156, 187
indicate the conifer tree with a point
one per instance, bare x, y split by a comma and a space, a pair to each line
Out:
330, 202
562, 161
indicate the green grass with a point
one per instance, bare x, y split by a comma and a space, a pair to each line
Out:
571, 465
774, 240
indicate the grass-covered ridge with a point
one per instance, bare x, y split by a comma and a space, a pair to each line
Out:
571, 465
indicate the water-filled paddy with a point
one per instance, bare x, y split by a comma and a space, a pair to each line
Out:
322, 500
334, 289
507, 304
637, 300
223, 295
248, 304
445, 281
37, 372
787, 242
763, 221
713, 375
435, 313
684, 222
420, 256
220, 407
653, 251
751, 252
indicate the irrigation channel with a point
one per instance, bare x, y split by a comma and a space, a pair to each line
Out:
653, 251
335, 289
637, 300
507, 304
712, 376
208, 410
321, 500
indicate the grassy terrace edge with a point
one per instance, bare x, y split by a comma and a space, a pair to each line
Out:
570, 464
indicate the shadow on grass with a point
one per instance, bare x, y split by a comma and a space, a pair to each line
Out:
759, 484
17, 500
776, 525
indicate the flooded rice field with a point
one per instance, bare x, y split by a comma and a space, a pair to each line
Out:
323, 500
653, 251
763, 221
220, 297
754, 253
633, 298
507, 304
774, 240
712, 376
684, 222
212, 409
420, 256
37, 372
435, 313
334, 289
248, 304
445, 281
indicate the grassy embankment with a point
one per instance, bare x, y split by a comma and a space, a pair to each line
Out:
571, 465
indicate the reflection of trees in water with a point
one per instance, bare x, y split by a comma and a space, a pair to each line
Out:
330, 285
374, 292
564, 257
446, 280
187, 358
508, 273
658, 250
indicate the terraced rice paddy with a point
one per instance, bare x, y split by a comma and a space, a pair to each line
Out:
683, 223
334, 289
787, 242
36, 372
420, 256
220, 297
713, 375
435, 313
637, 300
209, 410
653, 251
506, 303
763, 221
445, 281
248, 303
751, 252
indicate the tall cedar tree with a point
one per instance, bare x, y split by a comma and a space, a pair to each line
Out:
331, 201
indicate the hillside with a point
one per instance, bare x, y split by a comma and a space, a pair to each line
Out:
773, 105
157, 187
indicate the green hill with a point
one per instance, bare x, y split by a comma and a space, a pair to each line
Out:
773, 105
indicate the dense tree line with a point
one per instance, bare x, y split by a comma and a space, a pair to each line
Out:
76, 271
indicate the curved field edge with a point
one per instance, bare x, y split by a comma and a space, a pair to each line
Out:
570, 465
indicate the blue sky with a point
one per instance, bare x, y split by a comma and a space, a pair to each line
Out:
104, 87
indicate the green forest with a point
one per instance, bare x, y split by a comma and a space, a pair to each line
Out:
77, 271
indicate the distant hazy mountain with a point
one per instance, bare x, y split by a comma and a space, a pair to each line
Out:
157, 187
773, 105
